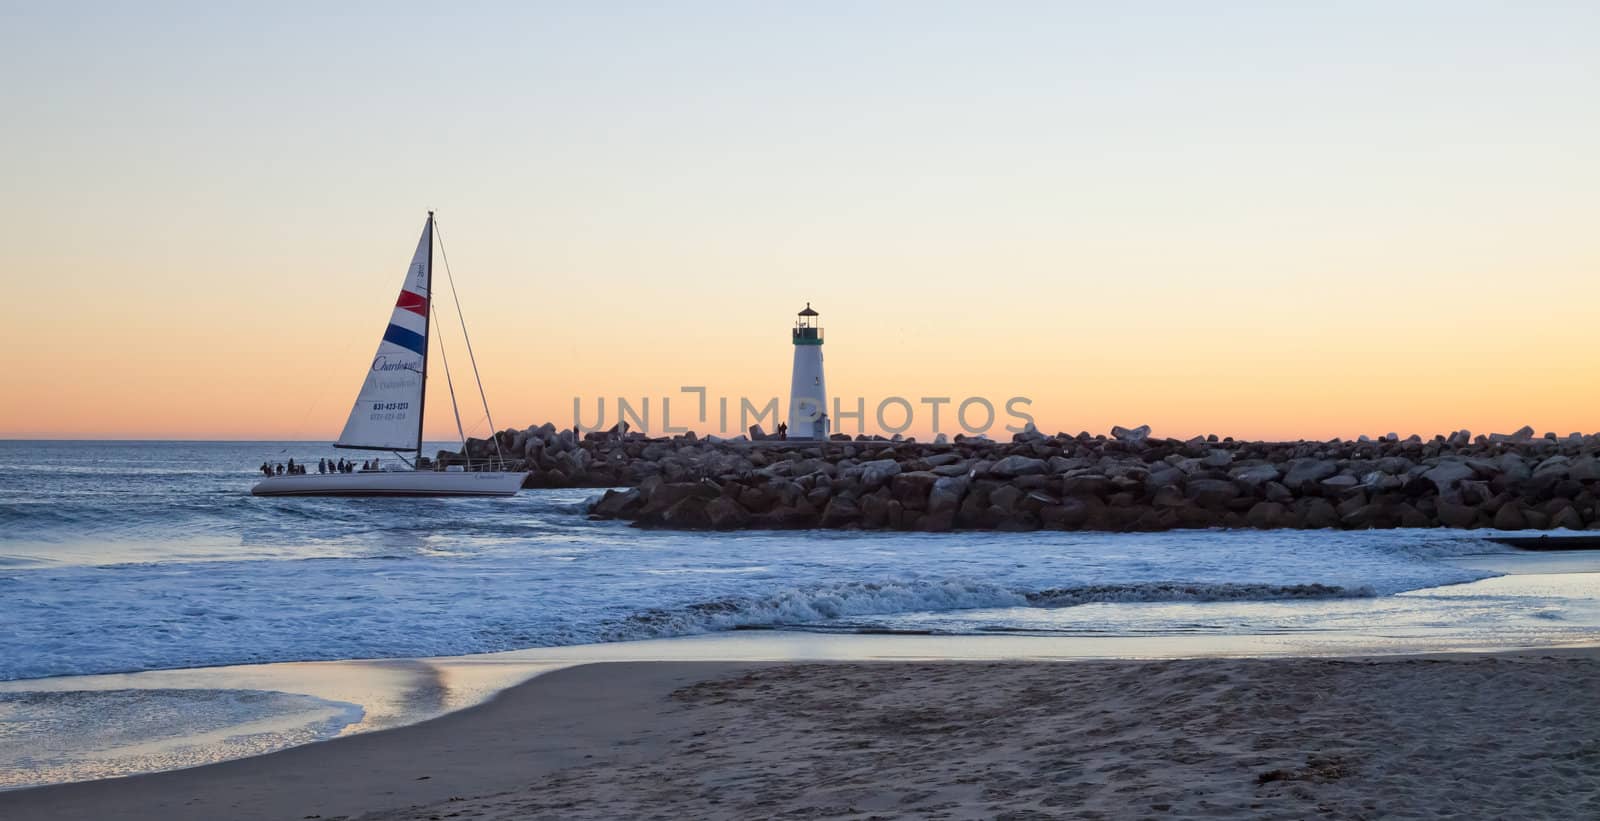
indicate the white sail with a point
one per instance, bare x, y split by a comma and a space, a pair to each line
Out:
388, 411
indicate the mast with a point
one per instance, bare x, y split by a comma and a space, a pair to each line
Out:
427, 326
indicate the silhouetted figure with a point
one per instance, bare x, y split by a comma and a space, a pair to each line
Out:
266, 468
783, 430
280, 469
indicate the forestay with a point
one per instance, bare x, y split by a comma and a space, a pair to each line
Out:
388, 411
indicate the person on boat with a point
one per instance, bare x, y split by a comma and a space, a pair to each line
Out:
375, 463
266, 468
322, 465
280, 469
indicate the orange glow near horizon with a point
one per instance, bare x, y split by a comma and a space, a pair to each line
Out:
241, 362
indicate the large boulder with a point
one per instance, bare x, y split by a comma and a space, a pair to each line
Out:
1457, 515
947, 493
1302, 471
1029, 433
1088, 484
1168, 496
1568, 519
912, 488
688, 513
1338, 485
661, 496
1551, 470
1211, 492
841, 512
1138, 434
1254, 476
616, 504
935, 522
1005, 497
1510, 517
1070, 514
1267, 515
1585, 469
1448, 474
1320, 514
723, 513
1061, 464
757, 499
1014, 466
878, 471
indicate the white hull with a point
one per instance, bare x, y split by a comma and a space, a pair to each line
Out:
393, 483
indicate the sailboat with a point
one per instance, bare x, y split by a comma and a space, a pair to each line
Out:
388, 412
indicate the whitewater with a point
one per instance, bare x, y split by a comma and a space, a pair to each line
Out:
130, 556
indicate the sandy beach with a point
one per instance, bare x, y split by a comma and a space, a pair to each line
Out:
1469, 735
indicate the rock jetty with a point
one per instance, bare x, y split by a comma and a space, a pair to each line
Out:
1129, 481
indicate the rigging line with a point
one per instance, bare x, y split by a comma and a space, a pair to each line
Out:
494, 433
454, 408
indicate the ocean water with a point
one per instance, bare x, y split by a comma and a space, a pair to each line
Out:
130, 556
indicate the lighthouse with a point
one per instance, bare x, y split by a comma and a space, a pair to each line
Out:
808, 391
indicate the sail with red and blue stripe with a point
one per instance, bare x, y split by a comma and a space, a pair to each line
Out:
388, 410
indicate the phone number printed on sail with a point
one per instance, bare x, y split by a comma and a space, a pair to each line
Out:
388, 411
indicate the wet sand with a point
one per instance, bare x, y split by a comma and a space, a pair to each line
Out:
1480, 736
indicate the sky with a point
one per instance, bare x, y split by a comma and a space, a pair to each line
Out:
1291, 220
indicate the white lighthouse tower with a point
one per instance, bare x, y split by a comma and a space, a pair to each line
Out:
808, 391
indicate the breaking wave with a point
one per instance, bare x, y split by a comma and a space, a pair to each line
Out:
825, 603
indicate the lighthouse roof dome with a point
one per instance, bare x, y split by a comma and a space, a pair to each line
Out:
808, 311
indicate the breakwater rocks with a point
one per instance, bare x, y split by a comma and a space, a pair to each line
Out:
1129, 481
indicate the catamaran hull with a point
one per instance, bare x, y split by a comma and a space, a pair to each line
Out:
395, 483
